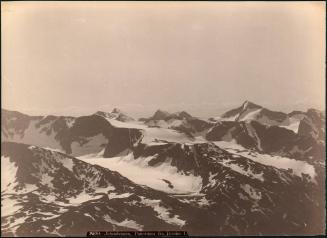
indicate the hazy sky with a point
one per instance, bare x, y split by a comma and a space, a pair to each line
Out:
205, 57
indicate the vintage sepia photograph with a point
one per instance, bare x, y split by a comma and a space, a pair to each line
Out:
182, 118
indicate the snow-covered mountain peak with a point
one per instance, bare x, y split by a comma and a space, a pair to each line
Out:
238, 113
116, 114
309, 123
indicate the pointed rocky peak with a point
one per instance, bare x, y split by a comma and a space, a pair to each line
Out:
245, 104
116, 110
234, 113
250, 105
183, 114
160, 115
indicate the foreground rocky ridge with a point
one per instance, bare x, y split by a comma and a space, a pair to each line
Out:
51, 193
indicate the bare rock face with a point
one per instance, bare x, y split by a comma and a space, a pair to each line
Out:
313, 125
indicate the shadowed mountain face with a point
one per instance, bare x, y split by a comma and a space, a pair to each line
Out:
253, 112
237, 112
250, 111
250, 172
269, 139
298, 134
313, 124
180, 121
76, 136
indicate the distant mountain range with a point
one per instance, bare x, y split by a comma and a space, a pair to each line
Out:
250, 171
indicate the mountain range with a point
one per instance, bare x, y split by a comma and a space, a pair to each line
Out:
250, 171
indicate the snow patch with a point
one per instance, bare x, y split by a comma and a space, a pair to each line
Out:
153, 133
68, 163
251, 191
70, 122
88, 215
82, 197
212, 181
240, 170
151, 176
298, 167
8, 175
15, 224
294, 126
231, 118
46, 180
115, 195
9, 206
48, 215
125, 223
49, 148
253, 134
163, 213
203, 202
250, 115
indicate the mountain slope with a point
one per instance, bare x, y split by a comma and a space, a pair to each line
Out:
269, 139
245, 193
298, 134
48, 192
76, 136
253, 112
180, 121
